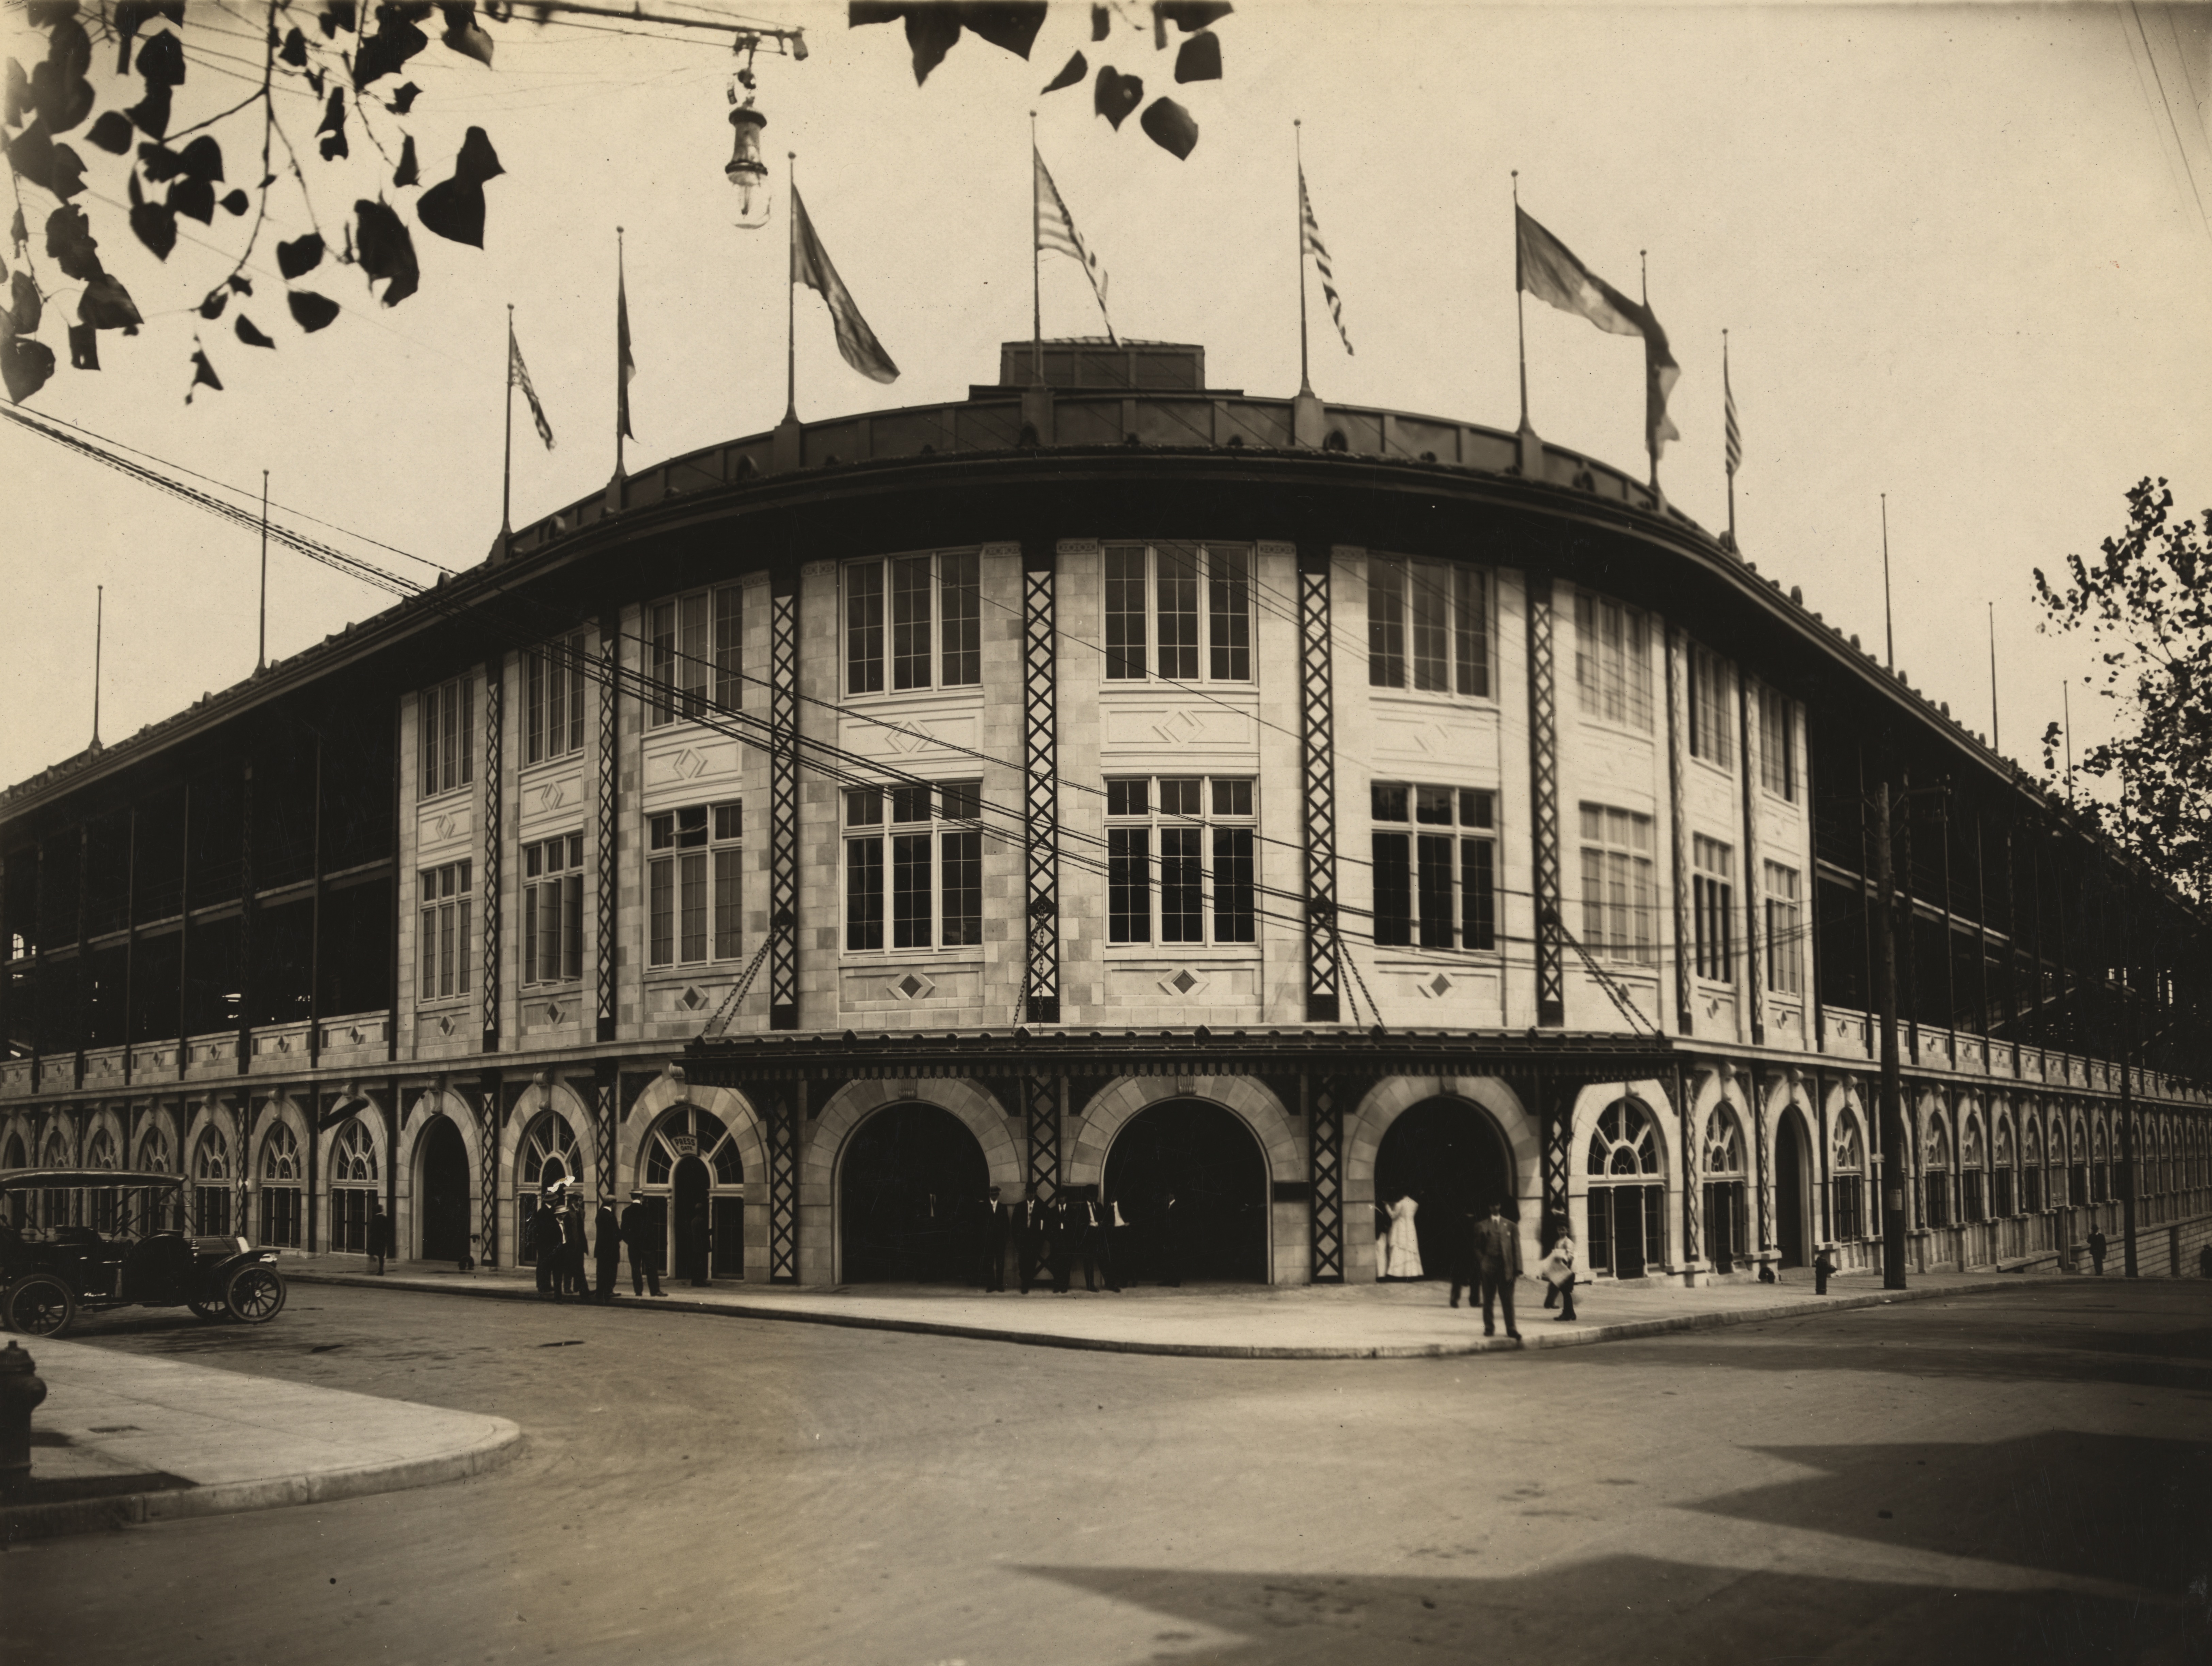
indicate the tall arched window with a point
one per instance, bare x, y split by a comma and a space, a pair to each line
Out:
2000, 1172
56, 1204
212, 1178
1723, 1170
691, 1160
1627, 1199
1848, 1166
2100, 1165
13, 1156
353, 1186
2032, 1160
99, 1152
2077, 1162
548, 1153
1936, 1175
1974, 1164
283, 1176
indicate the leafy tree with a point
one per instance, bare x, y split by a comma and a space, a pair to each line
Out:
2147, 603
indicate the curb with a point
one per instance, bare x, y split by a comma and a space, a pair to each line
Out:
1581, 1336
44, 1521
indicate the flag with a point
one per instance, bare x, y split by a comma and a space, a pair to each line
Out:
810, 264
1734, 434
1309, 230
518, 375
1056, 232
625, 365
1549, 270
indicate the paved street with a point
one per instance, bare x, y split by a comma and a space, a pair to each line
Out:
1995, 1477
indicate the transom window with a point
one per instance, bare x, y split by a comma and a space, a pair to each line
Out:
548, 1152
915, 619
1723, 1144
695, 644
353, 1160
1712, 891
695, 884
446, 938
1620, 903
212, 1183
445, 737
1431, 619
553, 679
899, 853
1437, 884
280, 1157
553, 909
1613, 661
1777, 744
1712, 703
1179, 611
1785, 929
1623, 1143
1181, 819
689, 1131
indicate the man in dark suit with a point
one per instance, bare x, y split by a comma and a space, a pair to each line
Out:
1029, 1241
641, 1233
379, 1237
993, 1222
1498, 1263
606, 1246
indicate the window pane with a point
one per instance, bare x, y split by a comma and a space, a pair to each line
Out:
864, 893
1183, 918
468, 731
1433, 876
864, 807
1394, 880
1470, 630
1433, 805
960, 602
1477, 915
910, 882
1178, 606
533, 700
1475, 807
1128, 798
1233, 918
1431, 584
963, 881
1387, 801
449, 741
426, 750
729, 898
729, 647
1386, 622
1179, 795
729, 821
1229, 612
664, 659
693, 946
429, 935
661, 910
577, 654
1129, 885
549, 931
864, 628
1125, 612
961, 800
445, 951
696, 670
1232, 797
910, 623
691, 826
909, 804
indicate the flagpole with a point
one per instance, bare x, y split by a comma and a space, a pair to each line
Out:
99, 628
1520, 303
1728, 399
1037, 280
506, 470
621, 393
1297, 146
791, 302
261, 652
1889, 621
1993, 676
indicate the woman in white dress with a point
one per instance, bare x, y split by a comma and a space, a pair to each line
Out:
1404, 1260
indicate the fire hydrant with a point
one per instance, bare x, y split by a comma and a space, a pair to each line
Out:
21, 1391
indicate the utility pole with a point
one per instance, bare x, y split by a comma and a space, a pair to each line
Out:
1892, 1156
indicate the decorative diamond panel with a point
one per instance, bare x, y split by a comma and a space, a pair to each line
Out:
1436, 988
692, 1000
913, 987
1184, 981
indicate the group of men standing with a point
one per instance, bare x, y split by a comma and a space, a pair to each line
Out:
1052, 1237
559, 1245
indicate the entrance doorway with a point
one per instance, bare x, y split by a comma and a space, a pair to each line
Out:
912, 1179
1792, 1151
1209, 1160
687, 1192
445, 1193
1452, 1158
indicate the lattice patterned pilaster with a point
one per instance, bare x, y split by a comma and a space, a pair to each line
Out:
1317, 749
609, 781
1040, 1103
1041, 804
1766, 1166
604, 1110
1693, 1242
1678, 771
1558, 1110
1544, 816
783, 816
487, 1178
782, 1194
1327, 1148
488, 900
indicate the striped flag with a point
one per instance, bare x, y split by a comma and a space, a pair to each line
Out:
625, 365
1057, 233
1734, 434
518, 375
1311, 232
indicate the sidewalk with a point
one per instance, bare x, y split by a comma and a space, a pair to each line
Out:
1242, 1321
121, 1440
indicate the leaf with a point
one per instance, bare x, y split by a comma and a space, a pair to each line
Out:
310, 311
239, 284
1190, 14
300, 256
463, 35
18, 234
403, 101
386, 251
1117, 94
295, 51
407, 173
333, 125
249, 334
454, 208
1076, 69
26, 306
127, 18
1011, 24
151, 113
931, 31
45, 13
1102, 22
195, 198
1169, 126
202, 158
155, 224
18, 97
213, 302
162, 61
112, 132
339, 15
158, 162
58, 87
395, 41
84, 347
203, 373
107, 305
1199, 58
69, 243
236, 203
25, 366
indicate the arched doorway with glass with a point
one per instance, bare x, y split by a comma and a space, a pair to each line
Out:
101, 1152
1723, 1170
694, 1189
1625, 1173
909, 1183
1793, 1187
353, 1187
284, 1177
213, 1176
1451, 1156
1847, 1190
1213, 1165
548, 1153
165, 1205
442, 1189
13, 1156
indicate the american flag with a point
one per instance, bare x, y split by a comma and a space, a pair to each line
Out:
518, 375
1311, 232
1734, 434
1055, 231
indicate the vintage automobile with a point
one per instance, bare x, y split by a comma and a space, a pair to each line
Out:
54, 1264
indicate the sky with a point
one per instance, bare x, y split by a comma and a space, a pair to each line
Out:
1963, 255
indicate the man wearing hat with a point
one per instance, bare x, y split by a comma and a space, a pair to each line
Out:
606, 1245
545, 1246
640, 1230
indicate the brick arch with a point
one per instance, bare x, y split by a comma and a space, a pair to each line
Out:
564, 1102
822, 1156
1390, 1098
735, 1111
426, 1108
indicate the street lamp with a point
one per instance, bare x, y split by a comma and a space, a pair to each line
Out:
746, 169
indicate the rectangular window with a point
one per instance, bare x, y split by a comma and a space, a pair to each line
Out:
448, 736
1440, 610
553, 909
1785, 929
693, 646
935, 876
1713, 883
923, 613
1434, 888
1620, 900
448, 944
1712, 709
694, 884
1613, 661
1777, 744
729, 647
1204, 832
553, 698
1179, 611
1850, 1203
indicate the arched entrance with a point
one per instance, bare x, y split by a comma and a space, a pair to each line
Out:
1213, 1165
1453, 1158
908, 1188
1723, 1171
444, 1191
695, 1179
548, 1154
1793, 1187
1626, 1195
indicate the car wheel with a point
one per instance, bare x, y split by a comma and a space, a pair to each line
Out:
208, 1310
40, 1305
255, 1294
